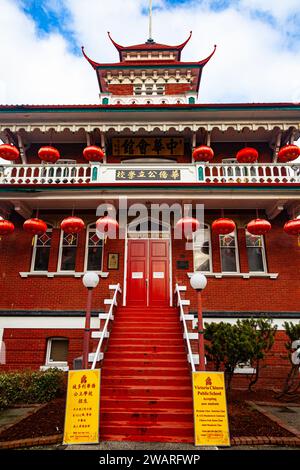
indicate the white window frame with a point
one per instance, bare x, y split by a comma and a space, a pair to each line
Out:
57, 364
237, 257
263, 250
34, 249
88, 230
60, 250
206, 227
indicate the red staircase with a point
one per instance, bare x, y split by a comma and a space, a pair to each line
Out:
146, 390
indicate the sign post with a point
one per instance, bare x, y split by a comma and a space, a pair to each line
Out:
210, 409
82, 407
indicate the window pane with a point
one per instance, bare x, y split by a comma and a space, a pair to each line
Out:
94, 258
255, 259
68, 258
228, 260
59, 350
41, 258
42, 251
254, 245
202, 251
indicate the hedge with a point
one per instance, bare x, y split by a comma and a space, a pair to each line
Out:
30, 386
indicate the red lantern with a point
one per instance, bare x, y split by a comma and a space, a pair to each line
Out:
288, 153
93, 153
72, 225
107, 226
292, 227
187, 226
9, 152
49, 154
247, 155
6, 227
223, 226
35, 226
259, 227
203, 154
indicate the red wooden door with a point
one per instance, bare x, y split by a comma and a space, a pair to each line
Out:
137, 272
159, 272
148, 272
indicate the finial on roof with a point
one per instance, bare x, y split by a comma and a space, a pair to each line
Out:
150, 40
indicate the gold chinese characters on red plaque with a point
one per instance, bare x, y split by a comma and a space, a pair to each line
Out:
148, 147
83, 407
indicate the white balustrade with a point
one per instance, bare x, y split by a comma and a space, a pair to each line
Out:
45, 174
249, 173
65, 174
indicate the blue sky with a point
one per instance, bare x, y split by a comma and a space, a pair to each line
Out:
257, 59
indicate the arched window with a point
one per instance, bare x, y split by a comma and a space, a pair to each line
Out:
191, 100
105, 101
41, 251
256, 252
229, 253
202, 250
94, 250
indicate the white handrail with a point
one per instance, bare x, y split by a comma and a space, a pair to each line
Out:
104, 331
177, 291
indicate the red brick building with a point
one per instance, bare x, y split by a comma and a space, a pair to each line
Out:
148, 124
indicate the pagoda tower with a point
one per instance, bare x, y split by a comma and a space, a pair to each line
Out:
149, 73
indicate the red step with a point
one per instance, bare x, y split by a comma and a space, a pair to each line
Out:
174, 356
146, 381
142, 371
146, 391
144, 403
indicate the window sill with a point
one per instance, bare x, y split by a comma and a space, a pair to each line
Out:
58, 274
60, 366
242, 275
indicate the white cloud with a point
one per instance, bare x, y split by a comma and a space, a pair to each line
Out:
252, 62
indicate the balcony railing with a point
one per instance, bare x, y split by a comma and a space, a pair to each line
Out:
71, 174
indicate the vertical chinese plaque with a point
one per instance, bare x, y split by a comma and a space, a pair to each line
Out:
82, 407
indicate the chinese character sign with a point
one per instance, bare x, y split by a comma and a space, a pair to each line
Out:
148, 175
148, 146
83, 407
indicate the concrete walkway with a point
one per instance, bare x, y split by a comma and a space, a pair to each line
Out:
12, 416
289, 414
124, 445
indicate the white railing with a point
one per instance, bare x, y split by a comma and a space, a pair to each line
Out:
105, 328
249, 173
186, 333
73, 173
45, 174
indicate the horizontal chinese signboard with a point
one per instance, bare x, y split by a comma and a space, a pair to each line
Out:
148, 146
83, 407
210, 409
146, 175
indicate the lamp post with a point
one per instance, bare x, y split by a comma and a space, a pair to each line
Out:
198, 282
90, 281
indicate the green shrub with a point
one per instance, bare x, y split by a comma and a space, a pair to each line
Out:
30, 386
246, 341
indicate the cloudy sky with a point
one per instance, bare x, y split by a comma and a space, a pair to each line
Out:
257, 59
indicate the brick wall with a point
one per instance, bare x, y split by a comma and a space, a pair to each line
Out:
121, 89
231, 294
176, 88
238, 294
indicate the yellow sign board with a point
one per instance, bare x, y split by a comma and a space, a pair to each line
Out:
148, 146
210, 409
82, 407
